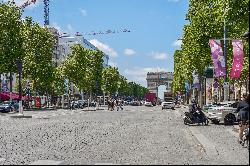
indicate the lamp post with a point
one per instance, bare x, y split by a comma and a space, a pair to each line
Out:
19, 68
246, 36
226, 88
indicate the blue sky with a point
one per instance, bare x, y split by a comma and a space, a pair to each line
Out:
155, 27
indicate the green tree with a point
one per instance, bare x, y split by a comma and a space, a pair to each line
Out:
110, 80
37, 61
11, 40
83, 68
207, 22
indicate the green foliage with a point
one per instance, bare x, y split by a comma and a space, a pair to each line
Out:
11, 40
207, 22
110, 80
37, 61
83, 67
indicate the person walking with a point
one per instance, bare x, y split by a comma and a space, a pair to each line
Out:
109, 104
119, 104
243, 115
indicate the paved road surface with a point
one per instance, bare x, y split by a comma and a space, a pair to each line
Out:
137, 135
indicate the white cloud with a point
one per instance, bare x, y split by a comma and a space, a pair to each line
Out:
104, 47
129, 51
177, 43
83, 12
159, 56
139, 75
113, 64
70, 29
55, 25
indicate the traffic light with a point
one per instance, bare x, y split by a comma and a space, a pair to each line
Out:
209, 72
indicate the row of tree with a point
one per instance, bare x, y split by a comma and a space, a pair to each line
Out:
206, 21
26, 40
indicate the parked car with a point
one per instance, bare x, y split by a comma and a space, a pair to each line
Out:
168, 105
135, 103
148, 104
8, 106
223, 112
209, 106
82, 104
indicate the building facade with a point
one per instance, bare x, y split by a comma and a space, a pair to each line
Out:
65, 41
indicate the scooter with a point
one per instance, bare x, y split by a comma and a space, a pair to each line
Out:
195, 118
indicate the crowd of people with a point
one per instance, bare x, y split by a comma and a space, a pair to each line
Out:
118, 103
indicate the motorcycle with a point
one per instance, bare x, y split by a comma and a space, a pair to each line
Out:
195, 118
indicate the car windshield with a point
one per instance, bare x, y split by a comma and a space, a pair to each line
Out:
6, 103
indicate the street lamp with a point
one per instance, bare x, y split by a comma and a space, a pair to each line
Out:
246, 36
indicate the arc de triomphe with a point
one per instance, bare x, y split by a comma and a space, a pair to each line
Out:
156, 79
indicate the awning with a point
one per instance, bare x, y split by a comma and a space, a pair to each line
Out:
15, 96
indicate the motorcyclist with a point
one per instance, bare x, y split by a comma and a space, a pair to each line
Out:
193, 108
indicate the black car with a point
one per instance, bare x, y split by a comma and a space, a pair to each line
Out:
8, 106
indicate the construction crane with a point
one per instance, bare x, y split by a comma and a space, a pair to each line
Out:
46, 9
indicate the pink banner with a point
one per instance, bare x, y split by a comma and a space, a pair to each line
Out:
238, 59
218, 58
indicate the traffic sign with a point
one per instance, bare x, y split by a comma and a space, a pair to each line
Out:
216, 84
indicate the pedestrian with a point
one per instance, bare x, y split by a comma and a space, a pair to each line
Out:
112, 105
109, 104
243, 115
119, 104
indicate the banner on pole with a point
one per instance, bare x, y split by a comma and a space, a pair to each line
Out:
218, 58
196, 83
187, 88
238, 59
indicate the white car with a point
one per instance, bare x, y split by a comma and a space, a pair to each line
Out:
224, 112
148, 104
168, 105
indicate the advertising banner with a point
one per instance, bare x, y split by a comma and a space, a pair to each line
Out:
238, 59
218, 58
196, 83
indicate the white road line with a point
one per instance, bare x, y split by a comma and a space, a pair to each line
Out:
105, 164
47, 162
210, 148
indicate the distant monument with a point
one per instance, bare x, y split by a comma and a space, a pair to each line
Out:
156, 79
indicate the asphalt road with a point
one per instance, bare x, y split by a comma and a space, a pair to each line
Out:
136, 135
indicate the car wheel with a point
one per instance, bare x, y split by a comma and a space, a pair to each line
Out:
206, 122
216, 121
229, 119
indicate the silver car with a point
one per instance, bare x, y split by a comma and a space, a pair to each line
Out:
168, 105
224, 112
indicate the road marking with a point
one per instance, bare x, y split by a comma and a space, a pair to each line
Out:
106, 164
209, 147
47, 162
